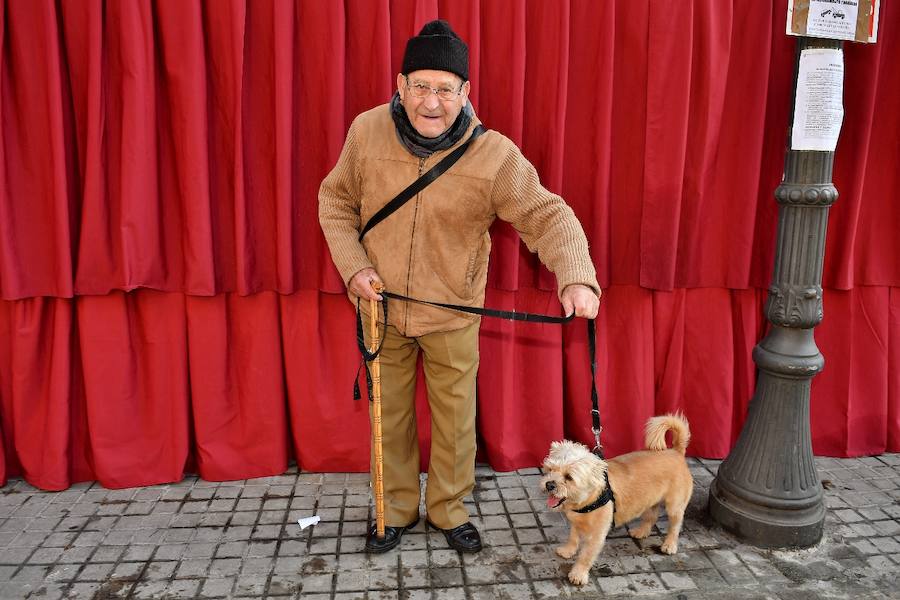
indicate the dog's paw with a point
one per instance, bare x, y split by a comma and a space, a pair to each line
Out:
578, 575
669, 547
566, 551
641, 532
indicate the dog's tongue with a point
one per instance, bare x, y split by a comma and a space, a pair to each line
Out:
552, 501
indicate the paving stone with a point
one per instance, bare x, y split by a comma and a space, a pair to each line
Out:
707, 579
677, 581
50, 591
126, 571
225, 566
383, 579
418, 594
107, 554
280, 585
141, 553
513, 591
95, 572
160, 569
256, 566
244, 518
231, 550
318, 564
45, 556
453, 593
208, 534
523, 520
317, 583
323, 546
250, 585
550, 590
415, 578
75, 555
414, 559
646, 583
271, 517
239, 533
197, 567
446, 577
83, 590
182, 588
217, 587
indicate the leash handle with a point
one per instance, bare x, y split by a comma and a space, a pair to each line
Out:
367, 355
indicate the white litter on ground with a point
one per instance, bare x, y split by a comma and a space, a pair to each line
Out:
305, 522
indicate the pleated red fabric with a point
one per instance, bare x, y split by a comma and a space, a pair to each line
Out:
167, 301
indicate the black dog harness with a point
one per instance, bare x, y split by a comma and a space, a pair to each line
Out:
605, 497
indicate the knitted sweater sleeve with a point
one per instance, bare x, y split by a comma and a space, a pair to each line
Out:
544, 221
339, 208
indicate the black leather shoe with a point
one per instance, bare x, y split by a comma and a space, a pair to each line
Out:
464, 538
391, 537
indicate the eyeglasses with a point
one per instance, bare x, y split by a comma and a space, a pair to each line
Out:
420, 90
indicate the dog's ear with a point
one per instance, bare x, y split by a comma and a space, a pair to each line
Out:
598, 471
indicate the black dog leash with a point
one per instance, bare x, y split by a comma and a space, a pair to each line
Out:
510, 315
485, 312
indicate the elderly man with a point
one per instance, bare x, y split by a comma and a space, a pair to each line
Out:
435, 247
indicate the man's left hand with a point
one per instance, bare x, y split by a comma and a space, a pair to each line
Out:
581, 300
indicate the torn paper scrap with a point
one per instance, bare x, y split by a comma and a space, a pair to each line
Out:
305, 522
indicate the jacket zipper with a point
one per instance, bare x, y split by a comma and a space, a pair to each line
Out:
412, 236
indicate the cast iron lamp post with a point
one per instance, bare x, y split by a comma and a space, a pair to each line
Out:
767, 490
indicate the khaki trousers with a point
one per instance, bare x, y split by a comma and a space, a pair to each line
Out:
450, 360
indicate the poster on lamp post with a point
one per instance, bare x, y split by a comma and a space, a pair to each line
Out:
854, 20
818, 105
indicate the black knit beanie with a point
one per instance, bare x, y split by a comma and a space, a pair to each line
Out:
437, 47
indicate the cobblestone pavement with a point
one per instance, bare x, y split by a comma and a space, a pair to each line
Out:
199, 539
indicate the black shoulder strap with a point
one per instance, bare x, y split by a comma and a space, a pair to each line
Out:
419, 184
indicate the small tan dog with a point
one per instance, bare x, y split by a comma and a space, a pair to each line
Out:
576, 480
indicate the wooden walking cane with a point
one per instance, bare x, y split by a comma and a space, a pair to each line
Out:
375, 369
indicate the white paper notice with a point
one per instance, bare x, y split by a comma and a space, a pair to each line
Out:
818, 108
307, 521
832, 19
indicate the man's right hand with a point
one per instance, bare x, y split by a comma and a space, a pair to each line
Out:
364, 284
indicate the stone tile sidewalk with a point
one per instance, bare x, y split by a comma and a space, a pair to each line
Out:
199, 539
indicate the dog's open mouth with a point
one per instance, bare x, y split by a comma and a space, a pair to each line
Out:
554, 502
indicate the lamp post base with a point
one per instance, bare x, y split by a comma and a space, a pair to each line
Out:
766, 526
767, 490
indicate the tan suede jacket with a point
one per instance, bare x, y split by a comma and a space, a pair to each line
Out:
436, 246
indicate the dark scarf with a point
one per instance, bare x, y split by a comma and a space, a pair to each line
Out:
422, 146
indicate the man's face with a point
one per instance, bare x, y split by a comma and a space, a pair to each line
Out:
432, 115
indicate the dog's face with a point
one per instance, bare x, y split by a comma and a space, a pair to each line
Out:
573, 475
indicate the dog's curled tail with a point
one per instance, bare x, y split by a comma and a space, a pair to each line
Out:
655, 432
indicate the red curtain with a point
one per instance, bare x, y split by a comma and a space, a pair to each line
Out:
168, 302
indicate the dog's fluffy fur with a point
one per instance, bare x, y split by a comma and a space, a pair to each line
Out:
640, 482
